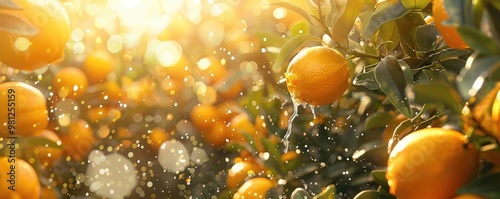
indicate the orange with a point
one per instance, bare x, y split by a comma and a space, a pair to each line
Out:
29, 52
468, 196
211, 70
216, 135
237, 174
449, 33
317, 76
97, 65
70, 82
96, 114
26, 183
178, 71
495, 116
203, 116
30, 109
431, 163
78, 139
158, 136
50, 193
254, 188
48, 155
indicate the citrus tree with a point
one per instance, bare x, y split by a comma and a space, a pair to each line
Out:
251, 99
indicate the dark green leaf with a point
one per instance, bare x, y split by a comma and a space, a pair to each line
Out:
487, 186
391, 80
16, 25
415, 4
476, 70
426, 35
374, 152
9, 4
387, 11
367, 80
300, 193
40, 141
291, 47
327, 193
407, 27
403, 129
388, 36
437, 93
377, 120
479, 41
379, 177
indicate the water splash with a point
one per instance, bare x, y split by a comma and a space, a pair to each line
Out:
290, 121
312, 111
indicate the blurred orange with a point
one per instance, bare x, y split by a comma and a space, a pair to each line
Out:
30, 109
46, 46
48, 155
70, 82
211, 70
240, 171
78, 139
27, 184
203, 116
97, 65
254, 188
157, 137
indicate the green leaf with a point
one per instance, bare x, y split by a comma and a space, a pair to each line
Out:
290, 48
477, 69
9, 4
407, 27
388, 36
387, 11
372, 194
366, 79
437, 93
415, 4
327, 193
391, 80
40, 141
345, 21
268, 39
300, 28
16, 25
479, 41
377, 120
300, 193
374, 152
379, 177
487, 186
426, 35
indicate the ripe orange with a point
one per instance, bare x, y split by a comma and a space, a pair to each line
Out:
35, 51
50, 193
158, 136
27, 185
317, 76
495, 116
70, 82
97, 65
30, 109
48, 155
254, 188
211, 70
203, 116
240, 171
431, 163
449, 33
216, 135
468, 196
78, 140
